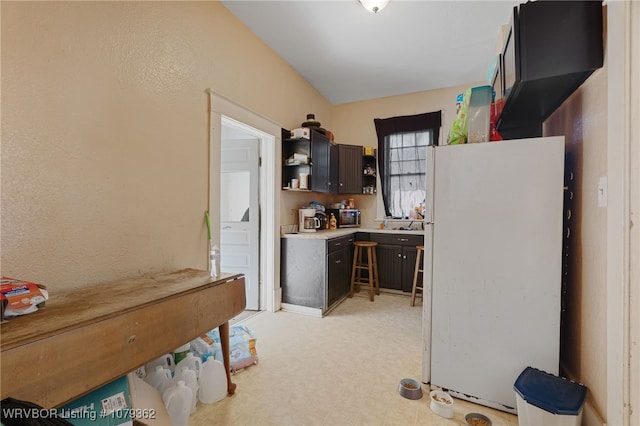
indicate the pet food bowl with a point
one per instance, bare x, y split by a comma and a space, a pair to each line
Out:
410, 389
441, 403
477, 419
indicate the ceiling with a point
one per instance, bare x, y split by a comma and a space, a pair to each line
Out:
349, 54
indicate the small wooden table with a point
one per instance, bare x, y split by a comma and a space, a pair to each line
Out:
86, 337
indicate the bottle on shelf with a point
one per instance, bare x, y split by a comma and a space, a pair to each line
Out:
214, 261
311, 121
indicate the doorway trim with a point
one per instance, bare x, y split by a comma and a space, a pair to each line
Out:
622, 175
226, 112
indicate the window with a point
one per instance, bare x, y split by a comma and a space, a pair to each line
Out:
406, 166
402, 143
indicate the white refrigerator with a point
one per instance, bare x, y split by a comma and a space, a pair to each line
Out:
492, 273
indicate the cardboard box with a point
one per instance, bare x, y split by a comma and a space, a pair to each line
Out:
109, 405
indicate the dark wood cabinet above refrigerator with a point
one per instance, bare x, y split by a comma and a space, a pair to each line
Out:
550, 49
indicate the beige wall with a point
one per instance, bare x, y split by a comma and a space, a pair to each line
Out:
105, 146
582, 119
105, 131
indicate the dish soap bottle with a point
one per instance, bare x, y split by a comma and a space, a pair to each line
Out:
333, 223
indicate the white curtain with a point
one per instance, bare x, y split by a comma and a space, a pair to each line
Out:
406, 166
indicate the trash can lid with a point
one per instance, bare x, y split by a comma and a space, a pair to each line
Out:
551, 393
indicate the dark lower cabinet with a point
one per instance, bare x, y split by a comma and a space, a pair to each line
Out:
339, 273
339, 255
389, 259
409, 255
315, 273
396, 255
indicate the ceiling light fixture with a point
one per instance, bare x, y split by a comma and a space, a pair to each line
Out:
374, 6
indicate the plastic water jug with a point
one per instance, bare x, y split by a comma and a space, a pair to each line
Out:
177, 400
165, 361
213, 382
188, 376
159, 378
193, 362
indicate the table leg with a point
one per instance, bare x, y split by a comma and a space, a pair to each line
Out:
224, 342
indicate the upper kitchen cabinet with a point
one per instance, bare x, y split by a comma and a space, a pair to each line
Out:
349, 169
296, 162
369, 171
325, 166
325, 163
550, 49
309, 163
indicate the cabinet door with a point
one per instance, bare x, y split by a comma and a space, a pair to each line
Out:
350, 169
303, 272
338, 275
323, 155
389, 266
333, 168
409, 255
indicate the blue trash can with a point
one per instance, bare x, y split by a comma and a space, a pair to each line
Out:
545, 399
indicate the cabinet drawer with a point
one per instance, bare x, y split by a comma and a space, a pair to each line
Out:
398, 239
339, 243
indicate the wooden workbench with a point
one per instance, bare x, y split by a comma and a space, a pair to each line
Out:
86, 337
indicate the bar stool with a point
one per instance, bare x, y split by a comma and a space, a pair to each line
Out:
371, 266
415, 277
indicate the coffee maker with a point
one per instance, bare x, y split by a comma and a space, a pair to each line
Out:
307, 220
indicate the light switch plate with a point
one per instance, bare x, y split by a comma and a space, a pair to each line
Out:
602, 191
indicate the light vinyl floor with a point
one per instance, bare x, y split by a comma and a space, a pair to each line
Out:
343, 369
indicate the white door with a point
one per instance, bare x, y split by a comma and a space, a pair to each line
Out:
239, 213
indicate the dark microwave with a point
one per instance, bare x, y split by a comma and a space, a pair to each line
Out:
345, 217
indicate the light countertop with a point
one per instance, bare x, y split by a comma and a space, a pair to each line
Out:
327, 234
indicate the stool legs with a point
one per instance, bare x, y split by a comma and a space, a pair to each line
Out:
371, 266
370, 273
355, 271
375, 271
